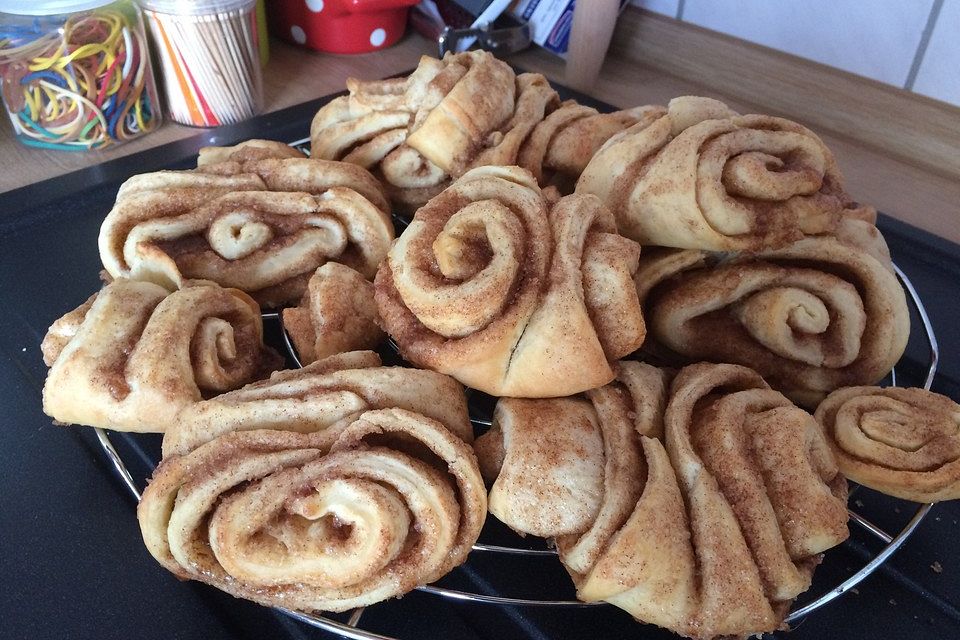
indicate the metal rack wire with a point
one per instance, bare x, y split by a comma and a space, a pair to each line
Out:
351, 630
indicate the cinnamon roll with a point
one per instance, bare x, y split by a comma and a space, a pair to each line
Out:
816, 315
337, 314
561, 146
321, 521
703, 177
134, 356
467, 110
902, 442
490, 285
417, 131
710, 530
320, 396
255, 223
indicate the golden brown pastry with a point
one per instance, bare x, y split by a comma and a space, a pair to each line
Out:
133, 356
415, 132
254, 149
490, 287
337, 314
385, 501
712, 530
319, 396
249, 220
565, 141
902, 442
450, 132
822, 313
703, 177
549, 474
451, 115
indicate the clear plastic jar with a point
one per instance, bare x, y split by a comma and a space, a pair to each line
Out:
209, 55
76, 73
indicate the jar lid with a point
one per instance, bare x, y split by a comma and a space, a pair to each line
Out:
194, 7
49, 7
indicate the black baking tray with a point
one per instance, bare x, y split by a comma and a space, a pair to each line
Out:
71, 557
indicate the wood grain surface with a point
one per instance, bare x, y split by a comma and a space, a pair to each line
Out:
899, 151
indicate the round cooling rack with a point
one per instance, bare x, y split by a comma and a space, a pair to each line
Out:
865, 528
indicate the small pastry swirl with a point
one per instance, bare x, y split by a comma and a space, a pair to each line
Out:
710, 529
822, 313
319, 396
323, 521
490, 287
703, 177
902, 442
415, 132
255, 223
134, 355
563, 143
337, 314
448, 116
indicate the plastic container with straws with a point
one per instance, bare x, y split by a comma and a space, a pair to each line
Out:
209, 57
76, 73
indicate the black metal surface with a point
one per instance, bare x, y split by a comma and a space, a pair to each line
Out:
71, 558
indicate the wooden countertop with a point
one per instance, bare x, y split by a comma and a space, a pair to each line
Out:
887, 174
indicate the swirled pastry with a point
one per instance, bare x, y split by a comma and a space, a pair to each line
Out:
416, 132
822, 313
564, 142
247, 220
134, 356
712, 530
323, 521
337, 314
902, 442
448, 116
703, 177
490, 287
320, 396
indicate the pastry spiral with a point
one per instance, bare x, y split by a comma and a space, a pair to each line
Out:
563, 143
487, 286
902, 442
703, 177
710, 530
255, 223
134, 356
819, 314
415, 132
337, 314
323, 521
319, 397
451, 115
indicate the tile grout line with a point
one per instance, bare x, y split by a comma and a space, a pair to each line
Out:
923, 44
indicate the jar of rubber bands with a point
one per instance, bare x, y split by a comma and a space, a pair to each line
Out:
76, 73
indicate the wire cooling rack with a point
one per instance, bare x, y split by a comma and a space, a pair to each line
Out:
865, 527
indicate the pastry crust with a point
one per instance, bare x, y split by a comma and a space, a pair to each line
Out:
821, 313
702, 177
323, 521
319, 396
465, 111
337, 314
902, 442
508, 295
710, 530
248, 220
133, 356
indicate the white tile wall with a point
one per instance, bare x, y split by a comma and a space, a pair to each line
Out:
939, 75
666, 7
874, 38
